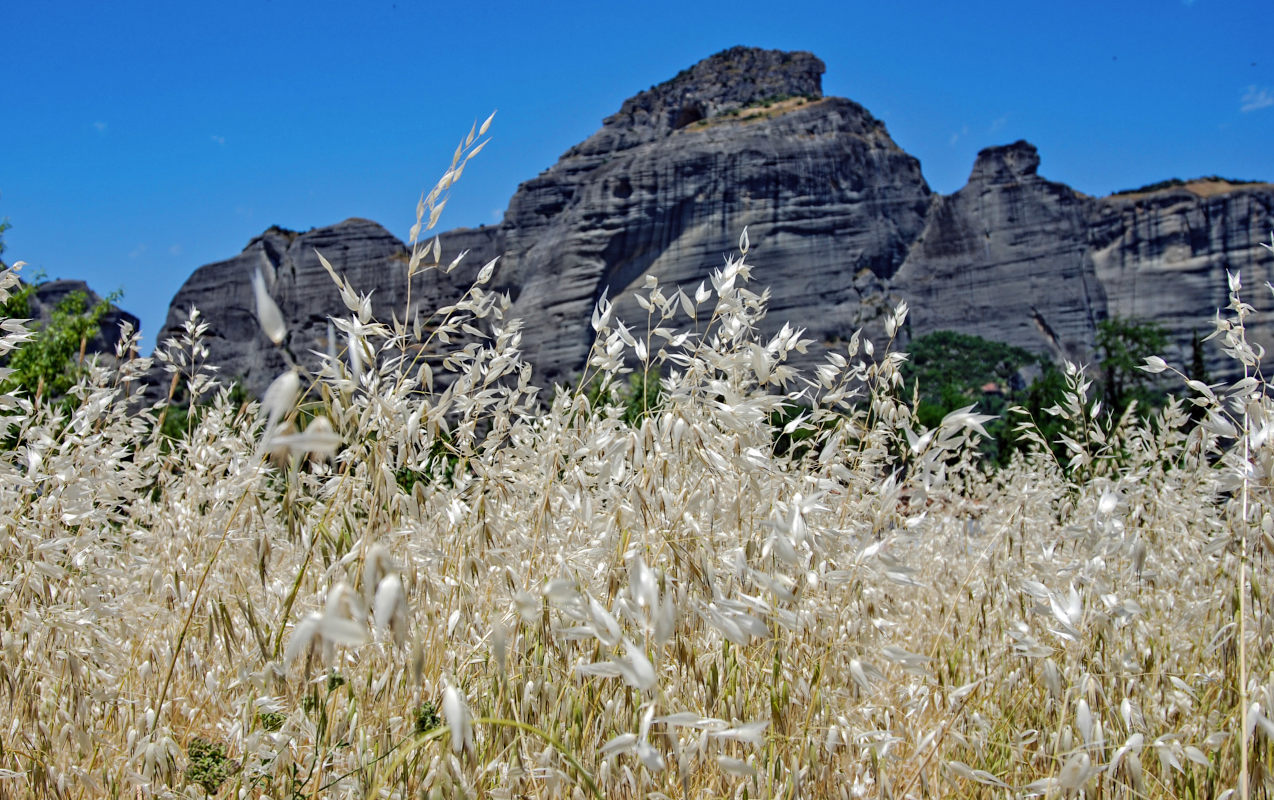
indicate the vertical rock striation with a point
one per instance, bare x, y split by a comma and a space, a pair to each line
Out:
741, 139
841, 221
1164, 256
1005, 258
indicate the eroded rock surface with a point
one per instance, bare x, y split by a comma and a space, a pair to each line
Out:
1005, 258
841, 221
1164, 256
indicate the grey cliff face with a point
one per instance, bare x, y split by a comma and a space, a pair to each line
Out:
370, 257
824, 193
1004, 258
299, 284
841, 221
743, 138
1164, 256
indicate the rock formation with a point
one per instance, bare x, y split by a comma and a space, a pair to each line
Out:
841, 221
1005, 258
669, 182
1164, 255
1015, 258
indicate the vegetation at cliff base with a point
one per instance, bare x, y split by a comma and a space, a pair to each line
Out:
51, 361
947, 370
398, 578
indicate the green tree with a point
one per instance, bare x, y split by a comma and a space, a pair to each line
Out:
949, 370
50, 363
1122, 347
1198, 367
956, 366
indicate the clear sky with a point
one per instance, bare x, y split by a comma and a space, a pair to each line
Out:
141, 140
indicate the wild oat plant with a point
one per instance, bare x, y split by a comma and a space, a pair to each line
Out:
409, 575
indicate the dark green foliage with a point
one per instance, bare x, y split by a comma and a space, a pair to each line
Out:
18, 306
209, 766
441, 454
1122, 348
271, 720
954, 367
642, 396
949, 370
798, 441
427, 718
181, 418
4, 226
48, 365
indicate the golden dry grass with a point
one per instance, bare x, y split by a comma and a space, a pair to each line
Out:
450, 587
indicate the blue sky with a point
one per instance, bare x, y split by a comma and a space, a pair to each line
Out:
142, 140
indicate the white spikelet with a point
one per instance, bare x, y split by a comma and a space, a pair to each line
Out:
376, 565
268, 313
278, 401
302, 637
456, 712
605, 626
637, 670
390, 607
355, 357
318, 438
643, 584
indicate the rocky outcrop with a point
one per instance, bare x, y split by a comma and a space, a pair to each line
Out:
715, 87
1005, 258
824, 192
305, 294
1164, 256
744, 138
841, 221
1016, 258
370, 257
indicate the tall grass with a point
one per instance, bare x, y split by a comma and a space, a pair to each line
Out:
410, 575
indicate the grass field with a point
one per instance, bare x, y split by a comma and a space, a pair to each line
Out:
392, 580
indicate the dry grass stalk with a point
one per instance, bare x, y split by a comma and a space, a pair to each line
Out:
481, 593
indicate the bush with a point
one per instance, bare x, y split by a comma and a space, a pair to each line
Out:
50, 364
947, 370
